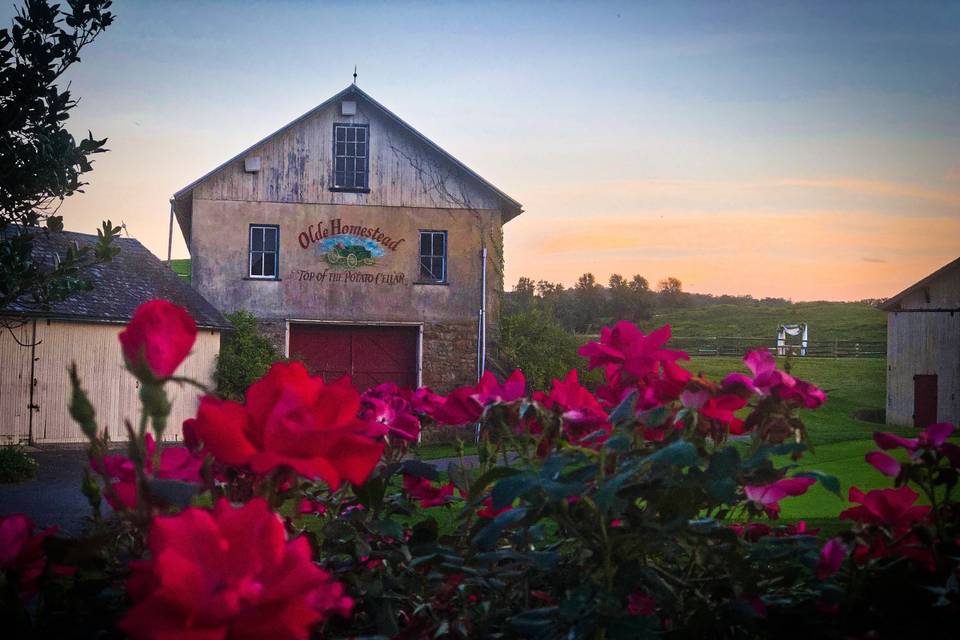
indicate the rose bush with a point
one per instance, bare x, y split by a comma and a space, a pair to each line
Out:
644, 507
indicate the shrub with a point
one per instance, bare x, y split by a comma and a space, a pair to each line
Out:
245, 356
16, 464
534, 340
622, 512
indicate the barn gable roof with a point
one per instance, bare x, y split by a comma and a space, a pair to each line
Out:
133, 276
511, 206
893, 304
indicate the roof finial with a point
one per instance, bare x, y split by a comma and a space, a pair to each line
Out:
354, 74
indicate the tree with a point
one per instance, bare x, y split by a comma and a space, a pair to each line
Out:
523, 292
534, 341
588, 302
639, 284
619, 302
41, 163
670, 292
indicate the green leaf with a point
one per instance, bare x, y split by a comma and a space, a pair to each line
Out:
389, 528
420, 469
679, 454
476, 489
488, 536
625, 412
509, 489
829, 482
656, 417
424, 532
619, 443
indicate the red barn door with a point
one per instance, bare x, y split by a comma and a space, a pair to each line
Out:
924, 400
370, 355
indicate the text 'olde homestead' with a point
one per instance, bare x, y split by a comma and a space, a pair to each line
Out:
320, 231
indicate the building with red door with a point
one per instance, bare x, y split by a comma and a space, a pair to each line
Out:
362, 247
923, 350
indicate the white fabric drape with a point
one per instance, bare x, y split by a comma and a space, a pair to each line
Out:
785, 330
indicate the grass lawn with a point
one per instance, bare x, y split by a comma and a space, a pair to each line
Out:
839, 440
827, 320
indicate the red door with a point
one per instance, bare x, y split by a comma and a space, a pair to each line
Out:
370, 355
924, 400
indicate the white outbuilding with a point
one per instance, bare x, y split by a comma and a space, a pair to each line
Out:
923, 350
37, 346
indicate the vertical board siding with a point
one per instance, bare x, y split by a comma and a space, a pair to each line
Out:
113, 391
15, 383
923, 343
297, 167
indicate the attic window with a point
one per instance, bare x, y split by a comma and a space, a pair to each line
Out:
351, 157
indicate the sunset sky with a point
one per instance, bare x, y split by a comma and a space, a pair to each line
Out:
802, 150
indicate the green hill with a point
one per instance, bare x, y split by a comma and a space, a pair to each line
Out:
826, 320
181, 268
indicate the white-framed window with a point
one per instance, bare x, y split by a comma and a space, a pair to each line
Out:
433, 256
264, 251
351, 157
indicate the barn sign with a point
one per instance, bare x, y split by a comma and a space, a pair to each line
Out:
334, 237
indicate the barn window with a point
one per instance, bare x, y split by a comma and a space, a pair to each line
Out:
433, 256
264, 250
351, 157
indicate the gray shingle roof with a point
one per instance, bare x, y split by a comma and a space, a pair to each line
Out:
120, 286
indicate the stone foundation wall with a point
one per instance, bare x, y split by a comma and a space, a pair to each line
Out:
449, 355
276, 332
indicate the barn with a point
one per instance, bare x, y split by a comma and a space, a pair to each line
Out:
37, 346
923, 350
361, 247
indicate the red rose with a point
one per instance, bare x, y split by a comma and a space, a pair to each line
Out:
423, 490
294, 420
176, 463
229, 573
158, 339
467, 404
22, 552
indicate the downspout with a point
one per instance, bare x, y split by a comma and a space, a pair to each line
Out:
482, 326
170, 236
482, 317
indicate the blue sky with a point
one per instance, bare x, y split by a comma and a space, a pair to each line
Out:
807, 150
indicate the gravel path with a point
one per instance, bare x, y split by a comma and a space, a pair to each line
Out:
53, 497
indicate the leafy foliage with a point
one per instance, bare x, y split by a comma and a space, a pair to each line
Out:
534, 339
245, 356
630, 511
16, 464
40, 161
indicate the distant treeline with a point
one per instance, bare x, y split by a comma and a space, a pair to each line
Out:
589, 305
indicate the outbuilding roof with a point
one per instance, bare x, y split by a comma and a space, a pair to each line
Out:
134, 276
893, 304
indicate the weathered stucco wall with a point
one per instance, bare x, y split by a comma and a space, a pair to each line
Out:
311, 288
922, 343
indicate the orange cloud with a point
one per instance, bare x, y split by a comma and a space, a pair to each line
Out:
817, 255
877, 188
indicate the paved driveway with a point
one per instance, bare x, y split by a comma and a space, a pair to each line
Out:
53, 497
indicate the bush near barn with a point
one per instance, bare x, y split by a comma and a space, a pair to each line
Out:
626, 512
